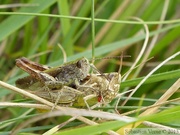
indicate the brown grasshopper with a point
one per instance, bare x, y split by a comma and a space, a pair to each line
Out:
54, 78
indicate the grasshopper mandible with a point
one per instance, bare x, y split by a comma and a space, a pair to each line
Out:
54, 78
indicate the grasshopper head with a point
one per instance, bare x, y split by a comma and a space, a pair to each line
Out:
84, 67
114, 79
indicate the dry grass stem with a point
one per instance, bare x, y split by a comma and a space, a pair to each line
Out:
142, 50
151, 106
147, 76
62, 110
162, 99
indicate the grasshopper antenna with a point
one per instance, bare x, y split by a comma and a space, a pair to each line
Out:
109, 57
121, 60
98, 71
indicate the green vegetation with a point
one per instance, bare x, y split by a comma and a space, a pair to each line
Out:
33, 30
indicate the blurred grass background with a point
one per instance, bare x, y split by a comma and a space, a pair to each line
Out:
36, 36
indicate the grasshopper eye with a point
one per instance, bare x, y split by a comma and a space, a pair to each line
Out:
78, 64
111, 76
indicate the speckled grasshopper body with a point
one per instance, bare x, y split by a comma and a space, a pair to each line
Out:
54, 78
53, 84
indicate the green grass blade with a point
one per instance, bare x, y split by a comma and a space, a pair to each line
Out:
15, 22
154, 78
91, 130
66, 26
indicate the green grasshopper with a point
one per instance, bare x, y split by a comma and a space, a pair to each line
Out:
54, 78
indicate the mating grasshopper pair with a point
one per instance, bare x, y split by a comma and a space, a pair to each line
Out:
69, 84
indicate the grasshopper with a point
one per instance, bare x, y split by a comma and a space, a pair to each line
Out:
54, 78
99, 88
93, 90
